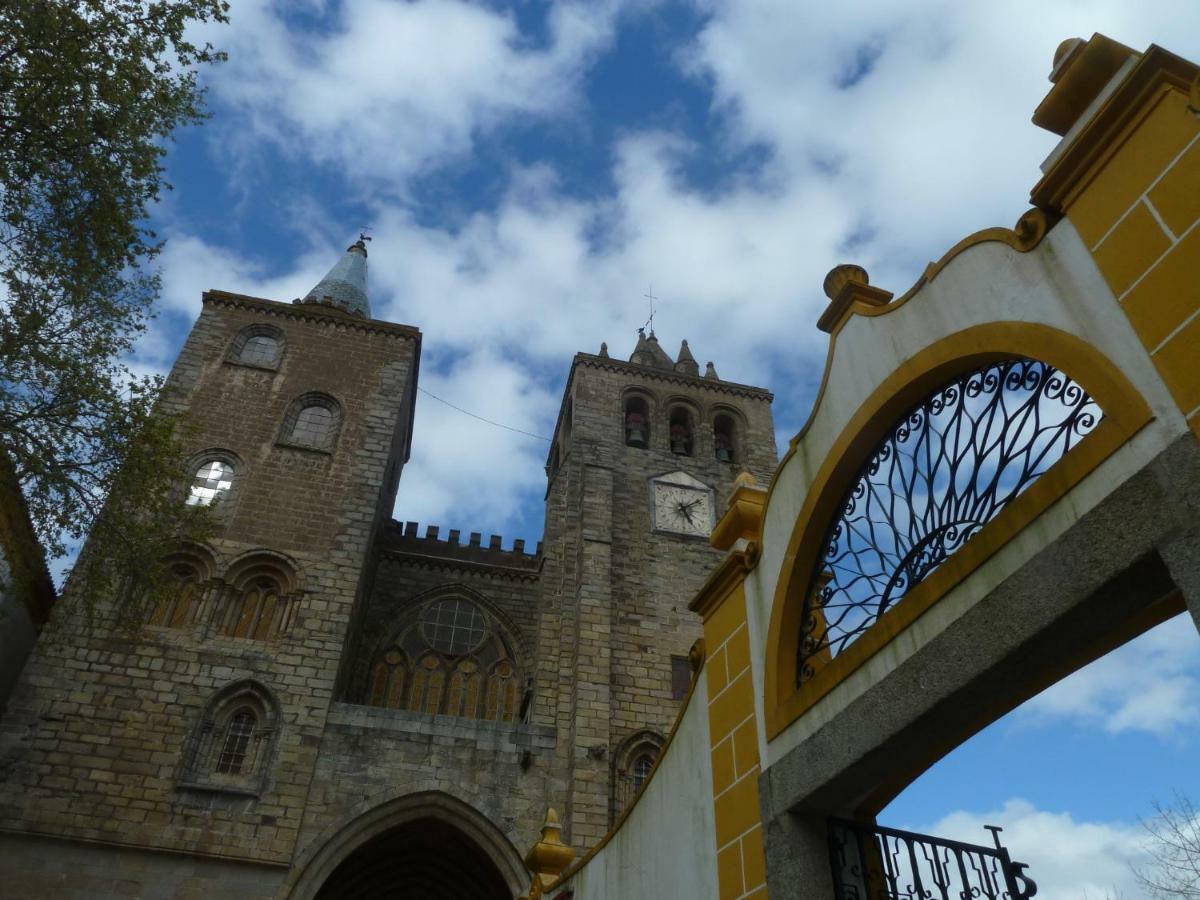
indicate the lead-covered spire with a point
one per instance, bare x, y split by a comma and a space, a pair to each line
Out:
345, 286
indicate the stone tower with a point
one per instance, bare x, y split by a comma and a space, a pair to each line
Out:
333, 703
645, 453
200, 733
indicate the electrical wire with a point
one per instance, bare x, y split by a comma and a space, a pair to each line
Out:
481, 418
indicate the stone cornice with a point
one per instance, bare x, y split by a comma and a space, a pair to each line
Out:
309, 312
626, 368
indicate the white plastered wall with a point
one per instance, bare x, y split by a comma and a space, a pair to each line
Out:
1055, 284
666, 847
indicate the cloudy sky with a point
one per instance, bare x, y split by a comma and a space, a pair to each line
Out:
530, 170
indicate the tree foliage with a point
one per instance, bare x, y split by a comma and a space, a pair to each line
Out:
90, 91
1173, 847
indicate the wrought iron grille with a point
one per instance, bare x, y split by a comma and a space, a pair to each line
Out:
874, 863
942, 472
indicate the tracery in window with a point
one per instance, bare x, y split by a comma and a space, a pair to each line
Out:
212, 482
632, 764
449, 657
233, 744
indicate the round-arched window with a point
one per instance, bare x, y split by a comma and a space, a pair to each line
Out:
260, 350
212, 481
453, 626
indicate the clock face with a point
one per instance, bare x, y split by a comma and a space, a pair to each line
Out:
682, 509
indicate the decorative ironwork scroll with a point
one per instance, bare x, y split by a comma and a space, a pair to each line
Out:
942, 472
874, 863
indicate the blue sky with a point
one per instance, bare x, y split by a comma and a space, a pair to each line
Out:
530, 169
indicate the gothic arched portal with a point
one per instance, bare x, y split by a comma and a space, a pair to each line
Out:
426, 844
426, 857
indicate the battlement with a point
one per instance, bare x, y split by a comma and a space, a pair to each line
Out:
405, 538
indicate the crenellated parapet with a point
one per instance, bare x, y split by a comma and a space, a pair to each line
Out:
406, 538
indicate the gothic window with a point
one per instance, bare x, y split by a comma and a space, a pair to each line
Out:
632, 764
449, 657
637, 422
725, 438
212, 482
231, 747
681, 431
259, 346
312, 422
640, 771
238, 732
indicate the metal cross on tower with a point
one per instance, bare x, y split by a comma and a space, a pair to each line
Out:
649, 295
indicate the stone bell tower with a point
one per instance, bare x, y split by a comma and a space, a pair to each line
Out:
644, 454
199, 732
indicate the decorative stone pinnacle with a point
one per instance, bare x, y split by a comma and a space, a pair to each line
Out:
846, 285
840, 276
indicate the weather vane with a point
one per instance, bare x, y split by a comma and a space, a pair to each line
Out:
649, 295
362, 234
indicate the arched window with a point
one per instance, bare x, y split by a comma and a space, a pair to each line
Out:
312, 422
632, 764
238, 731
725, 438
261, 601
640, 770
682, 437
233, 744
212, 482
939, 475
637, 422
258, 346
449, 657
176, 608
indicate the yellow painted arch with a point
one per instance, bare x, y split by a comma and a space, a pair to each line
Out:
1125, 413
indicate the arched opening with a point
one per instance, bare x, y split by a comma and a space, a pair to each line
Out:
725, 438
426, 857
682, 431
427, 844
637, 422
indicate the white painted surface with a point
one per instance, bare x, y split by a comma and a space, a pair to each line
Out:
667, 845
1056, 284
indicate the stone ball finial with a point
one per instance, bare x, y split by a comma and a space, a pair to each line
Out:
1064, 50
840, 276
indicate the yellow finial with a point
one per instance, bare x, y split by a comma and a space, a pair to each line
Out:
549, 857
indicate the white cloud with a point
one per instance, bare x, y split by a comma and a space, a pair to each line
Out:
933, 142
1151, 684
388, 89
1069, 860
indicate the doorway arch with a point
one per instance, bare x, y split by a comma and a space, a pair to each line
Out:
427, 844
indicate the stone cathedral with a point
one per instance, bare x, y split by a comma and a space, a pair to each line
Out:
326, 677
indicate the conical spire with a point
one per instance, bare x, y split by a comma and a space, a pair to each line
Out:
345, 287
662, 358
686, 363
710, 371
642, 354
